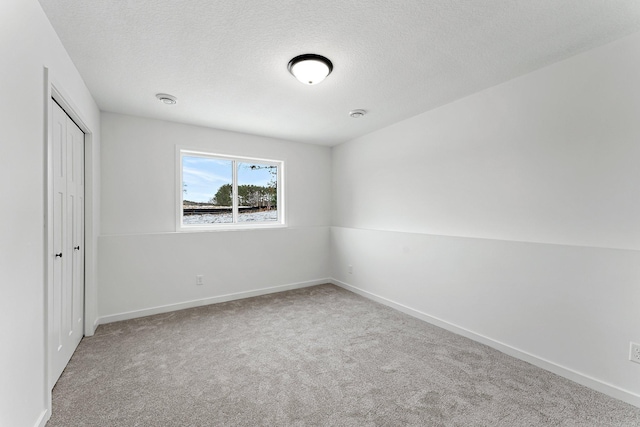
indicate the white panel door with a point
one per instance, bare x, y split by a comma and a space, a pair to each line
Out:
68, 240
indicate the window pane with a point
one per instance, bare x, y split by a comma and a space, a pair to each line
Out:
206, 191
257, 192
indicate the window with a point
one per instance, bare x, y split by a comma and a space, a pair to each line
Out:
219, 191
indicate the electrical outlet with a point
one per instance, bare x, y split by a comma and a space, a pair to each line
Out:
350, 269
199, 279
634, 352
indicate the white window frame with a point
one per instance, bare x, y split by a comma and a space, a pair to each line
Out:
235, 225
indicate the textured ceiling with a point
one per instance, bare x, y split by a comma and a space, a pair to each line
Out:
226, 61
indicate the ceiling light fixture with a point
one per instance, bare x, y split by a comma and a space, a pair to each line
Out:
166, 98
356, 114
310, 69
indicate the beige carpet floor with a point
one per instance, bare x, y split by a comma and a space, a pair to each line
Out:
319, 356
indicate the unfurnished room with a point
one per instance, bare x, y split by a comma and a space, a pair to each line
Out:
337, 213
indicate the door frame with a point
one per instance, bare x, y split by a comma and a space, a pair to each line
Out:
91, 168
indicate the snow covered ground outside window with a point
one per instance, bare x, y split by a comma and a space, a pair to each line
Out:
265, 216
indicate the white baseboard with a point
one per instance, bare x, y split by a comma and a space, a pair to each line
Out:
206, 301
585, 380
93, 327
43, 418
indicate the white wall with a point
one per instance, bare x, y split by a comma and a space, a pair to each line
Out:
550, 157
146, 267
27, 45
493, 214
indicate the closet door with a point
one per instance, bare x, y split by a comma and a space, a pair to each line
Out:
68, 240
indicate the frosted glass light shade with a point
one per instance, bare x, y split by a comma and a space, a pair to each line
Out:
310, 69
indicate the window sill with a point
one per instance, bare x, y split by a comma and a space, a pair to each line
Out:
230, 227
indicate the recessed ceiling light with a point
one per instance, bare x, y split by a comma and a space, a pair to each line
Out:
166, 98
356, 114
310, 69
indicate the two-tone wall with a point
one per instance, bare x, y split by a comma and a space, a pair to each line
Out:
511, 216
147, 267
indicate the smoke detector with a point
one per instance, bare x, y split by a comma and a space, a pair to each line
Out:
165, 98
356, 114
